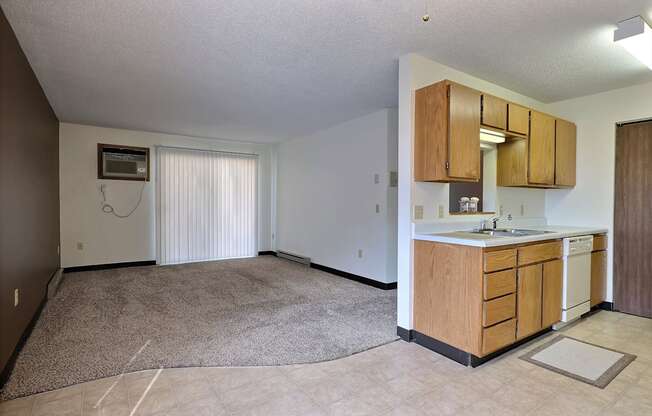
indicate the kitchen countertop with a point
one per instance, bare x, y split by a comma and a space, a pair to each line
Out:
482, 240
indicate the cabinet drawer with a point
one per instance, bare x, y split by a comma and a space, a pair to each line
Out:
499, 260
599, 242
498, 336
499, 284
539, 252
498, 310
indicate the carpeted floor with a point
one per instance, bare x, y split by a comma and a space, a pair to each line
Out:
262, 311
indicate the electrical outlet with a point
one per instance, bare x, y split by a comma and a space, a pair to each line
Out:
501, 211
359, 253
80, 245
418, 212
377, 208
522, 210
393, 179
440, 211
376, 178
16, 297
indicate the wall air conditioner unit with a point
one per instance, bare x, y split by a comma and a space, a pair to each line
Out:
293, 257
122, 162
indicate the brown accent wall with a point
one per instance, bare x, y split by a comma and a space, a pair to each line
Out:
29, 191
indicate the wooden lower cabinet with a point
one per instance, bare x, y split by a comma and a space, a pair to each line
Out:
479, 300
529, 300
598, 277
552, 293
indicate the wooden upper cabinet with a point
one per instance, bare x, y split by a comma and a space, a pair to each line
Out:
464, 133
541, 153
494, 112
565, 153
447, 133
518, 119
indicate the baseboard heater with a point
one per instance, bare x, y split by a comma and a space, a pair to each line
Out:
294, 257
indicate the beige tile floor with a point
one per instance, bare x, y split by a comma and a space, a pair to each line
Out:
396, 379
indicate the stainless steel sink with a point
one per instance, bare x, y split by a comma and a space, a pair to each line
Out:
510, 232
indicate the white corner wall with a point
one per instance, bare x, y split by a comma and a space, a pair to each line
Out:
326, 196
591, 202
415, 72
107, 239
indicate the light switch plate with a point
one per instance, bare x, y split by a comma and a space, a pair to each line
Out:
418, 212
376, 178
377, 208
440, 211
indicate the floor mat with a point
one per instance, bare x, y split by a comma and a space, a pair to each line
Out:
580, 360
261, 311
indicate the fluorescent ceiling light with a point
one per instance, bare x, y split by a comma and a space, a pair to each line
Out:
635, 35
490, 136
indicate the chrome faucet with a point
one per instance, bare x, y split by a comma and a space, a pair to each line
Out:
494, 222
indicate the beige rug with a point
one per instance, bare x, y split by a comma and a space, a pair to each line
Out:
589, 363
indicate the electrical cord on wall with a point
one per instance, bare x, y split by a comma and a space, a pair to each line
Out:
108, 208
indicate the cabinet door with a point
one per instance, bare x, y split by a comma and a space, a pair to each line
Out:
464, 133
541, 167
565, 152
528, 309
598, 277
518, 119
494, 112
552, 288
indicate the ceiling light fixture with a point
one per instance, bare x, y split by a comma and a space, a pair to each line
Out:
490, 136
635, 35
426, 15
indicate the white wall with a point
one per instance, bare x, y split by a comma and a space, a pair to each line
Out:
107, 239
327, 198
415, 72
591, 202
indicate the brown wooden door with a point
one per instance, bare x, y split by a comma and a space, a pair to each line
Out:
565, 153
552, 288
632, 225
541, 167
494, 112
528, 309
598, 277
464, 133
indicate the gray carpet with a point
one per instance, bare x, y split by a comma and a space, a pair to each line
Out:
262, 311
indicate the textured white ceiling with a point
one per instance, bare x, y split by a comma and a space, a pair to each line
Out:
268, 70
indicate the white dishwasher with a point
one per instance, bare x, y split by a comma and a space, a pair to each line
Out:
576, 294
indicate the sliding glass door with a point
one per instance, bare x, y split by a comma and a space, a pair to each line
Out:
206, 205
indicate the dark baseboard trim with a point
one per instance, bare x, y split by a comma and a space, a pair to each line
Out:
405, 334
267, 253
109, 266
6, 372
605, 306
355, 277
463, 357
442, 348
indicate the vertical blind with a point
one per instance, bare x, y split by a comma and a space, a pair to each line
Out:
207, 205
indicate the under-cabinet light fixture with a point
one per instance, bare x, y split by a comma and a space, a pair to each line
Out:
491, 136
635, 35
